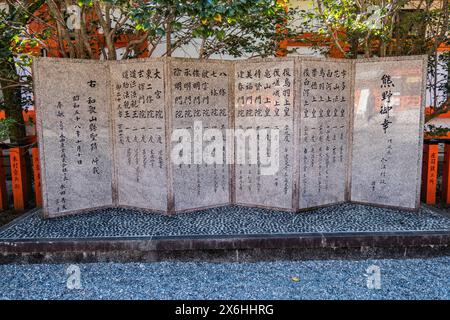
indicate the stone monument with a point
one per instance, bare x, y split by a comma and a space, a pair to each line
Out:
174, 135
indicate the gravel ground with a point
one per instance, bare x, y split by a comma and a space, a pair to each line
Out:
331, 279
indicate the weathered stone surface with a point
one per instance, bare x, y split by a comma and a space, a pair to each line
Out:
103, 128
387, 134
324, 120
138, 114
73, 106
264, 100
200, 99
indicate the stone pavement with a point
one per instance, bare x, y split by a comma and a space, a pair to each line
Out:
226, 221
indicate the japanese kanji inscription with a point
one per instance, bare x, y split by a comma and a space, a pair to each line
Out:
174, 135
138, 114
75, 139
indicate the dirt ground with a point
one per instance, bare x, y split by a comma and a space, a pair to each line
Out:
9, 215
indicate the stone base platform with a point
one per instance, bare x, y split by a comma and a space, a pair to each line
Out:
227, 234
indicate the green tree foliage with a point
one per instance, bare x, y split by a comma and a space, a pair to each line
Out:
234, 27
14, 81
387, 28
379, 27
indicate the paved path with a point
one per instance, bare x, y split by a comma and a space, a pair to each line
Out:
333, 279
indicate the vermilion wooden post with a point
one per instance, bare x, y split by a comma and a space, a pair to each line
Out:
18, 172
429, 172
37, 177
27, 115
3, 190
446, 174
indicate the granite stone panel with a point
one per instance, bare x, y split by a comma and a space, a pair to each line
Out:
265, 132
139, 126
200, 116
324, 121
388, 131
73, 115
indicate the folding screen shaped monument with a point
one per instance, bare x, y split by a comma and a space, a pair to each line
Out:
347, 130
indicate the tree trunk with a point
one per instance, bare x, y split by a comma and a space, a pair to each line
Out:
169, 35
435, 80
448, 77
354, 46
